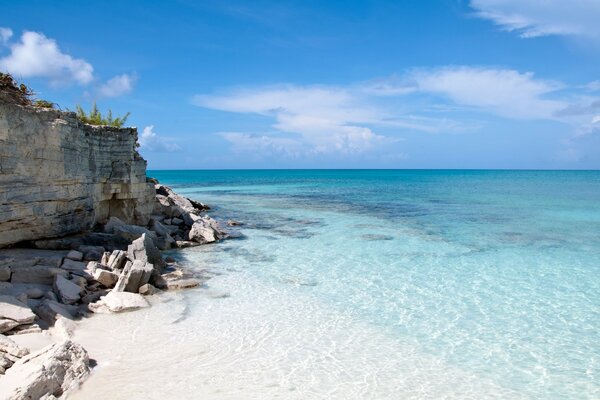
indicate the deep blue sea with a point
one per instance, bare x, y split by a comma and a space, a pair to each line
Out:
388, 284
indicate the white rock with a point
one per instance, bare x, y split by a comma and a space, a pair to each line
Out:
107, 278
133, 276
41, 274
148, 290
71, 265
123, 301
117, 259
67, 291
182, 283
7, 324
201, 232
8, 346
11, 308
55, 370
75, 255
144, 249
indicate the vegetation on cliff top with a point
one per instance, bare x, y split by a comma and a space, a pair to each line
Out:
19, 93
94, 117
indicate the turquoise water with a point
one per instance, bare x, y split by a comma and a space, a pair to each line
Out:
395, 284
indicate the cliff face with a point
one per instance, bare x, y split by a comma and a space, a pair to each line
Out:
59, 176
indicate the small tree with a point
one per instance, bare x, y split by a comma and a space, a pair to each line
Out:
94, 117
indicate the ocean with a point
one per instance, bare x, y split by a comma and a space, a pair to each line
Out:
373, 284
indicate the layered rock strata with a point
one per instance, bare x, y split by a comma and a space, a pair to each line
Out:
59, 176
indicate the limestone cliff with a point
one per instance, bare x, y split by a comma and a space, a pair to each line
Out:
59, 176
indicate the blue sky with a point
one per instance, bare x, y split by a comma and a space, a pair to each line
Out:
337, 84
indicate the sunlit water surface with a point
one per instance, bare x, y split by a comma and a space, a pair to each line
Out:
373, 285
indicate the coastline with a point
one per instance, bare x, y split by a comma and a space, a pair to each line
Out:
87, 280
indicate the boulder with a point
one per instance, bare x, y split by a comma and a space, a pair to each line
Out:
201, 232
7, 324
189, 218
75, 255
50, 311
117, 259
165, 242
159, 228
79, 281
8, 346
105, 258
67, 291
41, 274
11, 308
71, 265
34, 293
182, 283
144, 249
128, 232
4, 273
176, 221
148, 290
92, 253
23, 329
182, 244
106, 278
119, 302
51, 372
134, 276
5, 364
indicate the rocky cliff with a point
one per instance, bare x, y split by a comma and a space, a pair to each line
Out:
59, 176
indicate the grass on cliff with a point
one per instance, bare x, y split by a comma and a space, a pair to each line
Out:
95, 117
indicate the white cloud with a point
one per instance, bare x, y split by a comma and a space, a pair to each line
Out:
500, 91
38, 56
263, 145
151, 141
118, 85
533, 18
317, 119
326, 118
5, 35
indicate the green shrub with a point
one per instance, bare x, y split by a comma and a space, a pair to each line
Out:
94, 117
43, 103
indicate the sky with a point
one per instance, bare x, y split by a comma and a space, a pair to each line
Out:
325, 84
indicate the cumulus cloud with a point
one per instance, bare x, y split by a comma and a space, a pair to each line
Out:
500, 91
350, 119
35, 55
5, 35
326, 118
118, 85
533, 18
151, 141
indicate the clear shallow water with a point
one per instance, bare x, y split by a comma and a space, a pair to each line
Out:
375, 284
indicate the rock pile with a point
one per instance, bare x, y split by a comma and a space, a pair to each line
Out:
111, 272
